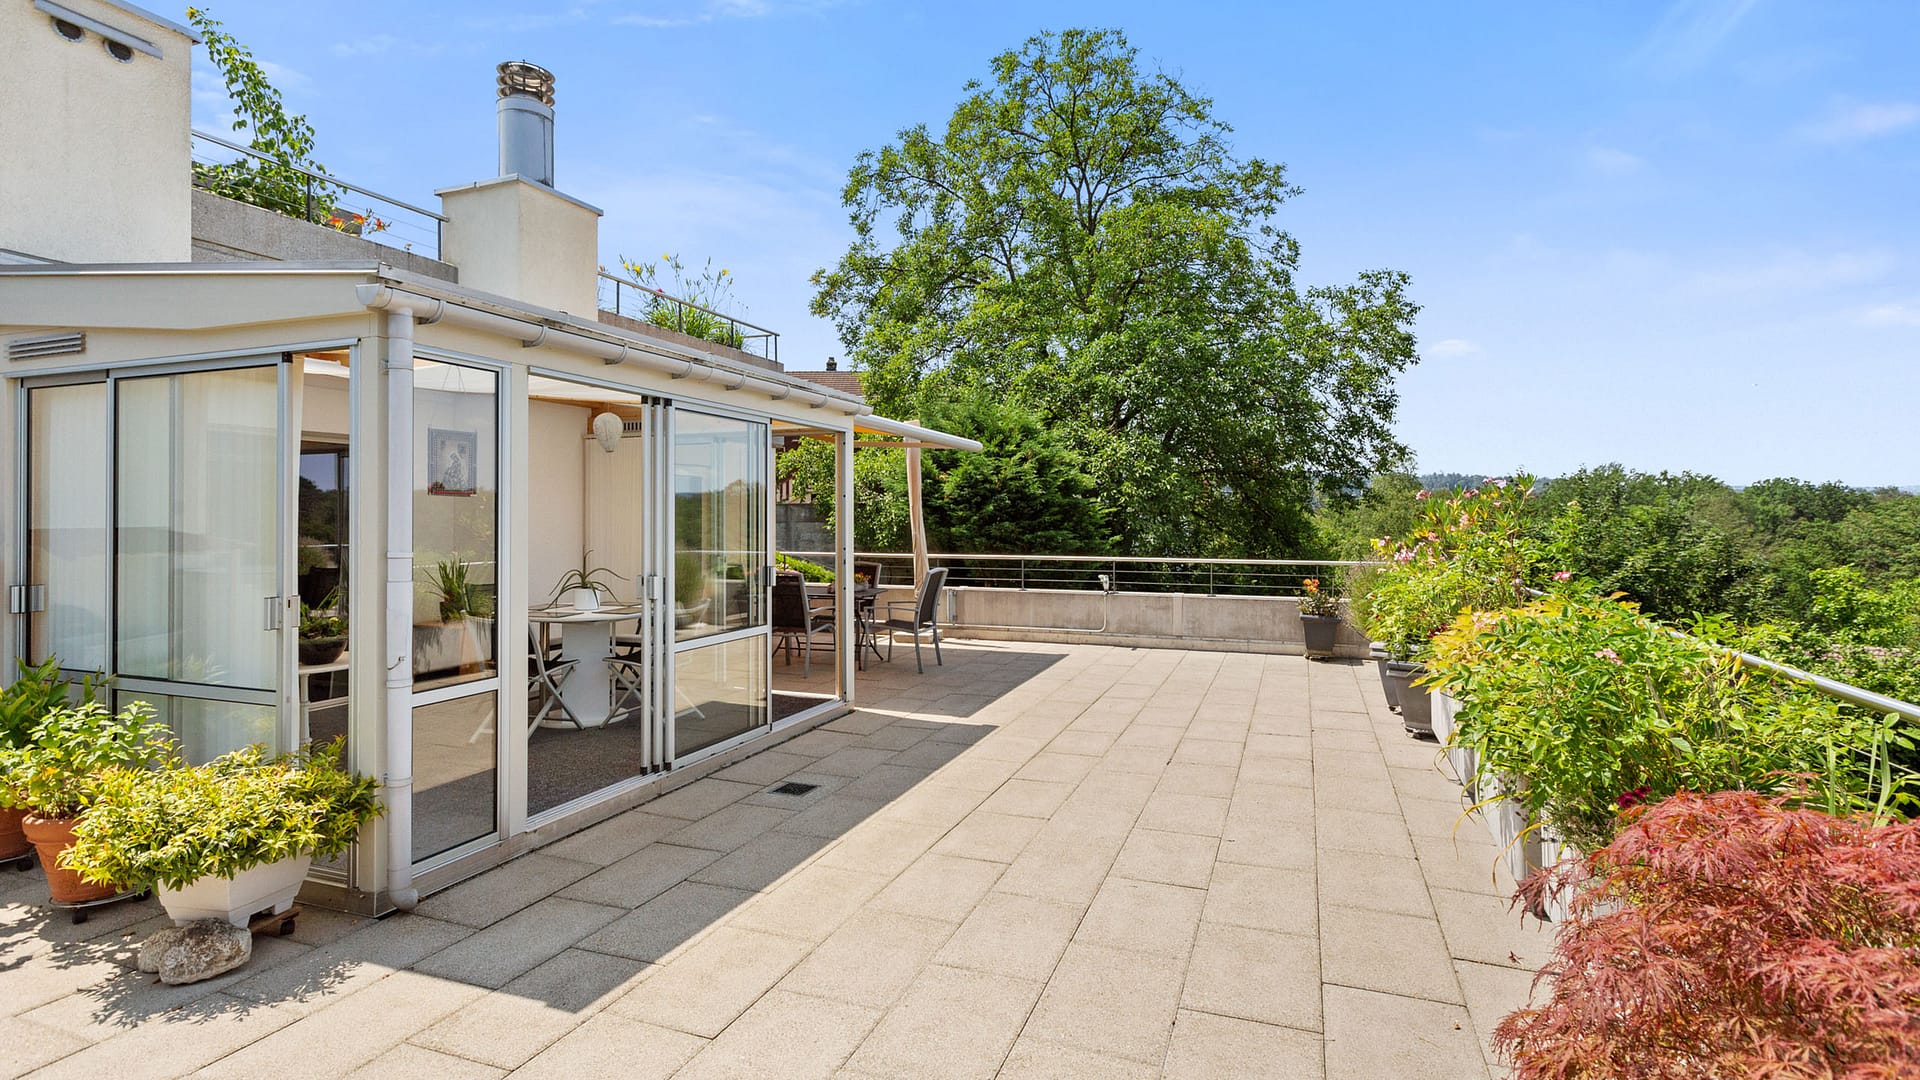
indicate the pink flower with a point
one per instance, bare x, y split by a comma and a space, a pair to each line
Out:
1472, 493
1422, 495
1564, 575
1404, 555
1608, 655
1497, 482
1433, 536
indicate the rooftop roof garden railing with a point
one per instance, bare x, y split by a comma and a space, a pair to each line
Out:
238, 172
1119, 573
635, 301
1833, 688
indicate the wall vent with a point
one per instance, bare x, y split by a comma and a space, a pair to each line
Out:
33, 348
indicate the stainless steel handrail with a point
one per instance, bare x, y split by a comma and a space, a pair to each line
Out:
1099, 559
1833, 688
335, 181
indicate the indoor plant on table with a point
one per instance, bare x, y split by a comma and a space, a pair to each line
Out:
581, 588
227, 839
1319, 618
54, 771
463, 638
323, 631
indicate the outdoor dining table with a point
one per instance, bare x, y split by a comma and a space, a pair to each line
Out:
588, 638
864, 599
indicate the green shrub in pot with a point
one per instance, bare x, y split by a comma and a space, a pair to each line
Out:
179, 823
54, 772
1596, 706
54, 775
26, 701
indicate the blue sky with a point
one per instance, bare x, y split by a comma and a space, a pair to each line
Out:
1676, 235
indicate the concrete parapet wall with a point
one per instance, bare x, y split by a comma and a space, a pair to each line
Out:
1267, 624
226, 230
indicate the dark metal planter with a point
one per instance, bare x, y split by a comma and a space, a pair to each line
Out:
1378, 653
1321, 632
1416, 710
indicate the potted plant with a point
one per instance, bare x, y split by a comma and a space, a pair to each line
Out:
225, 840
463, 638
323, 631
53, 772
581, 588
23, 704
1729, 934
1319, 618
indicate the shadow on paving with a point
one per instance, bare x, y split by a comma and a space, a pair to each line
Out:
567, 923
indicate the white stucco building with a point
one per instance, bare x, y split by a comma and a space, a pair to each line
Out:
220, 419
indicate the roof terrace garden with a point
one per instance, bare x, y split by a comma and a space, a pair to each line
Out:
1228, 747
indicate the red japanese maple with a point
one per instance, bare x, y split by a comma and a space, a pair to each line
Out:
1731, 935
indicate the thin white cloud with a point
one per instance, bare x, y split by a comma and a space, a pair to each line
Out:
1900, 313
1613, 161
708, 11
1689, 33
1796, 272
283, 77
1453, 348
367, 46
1856, 121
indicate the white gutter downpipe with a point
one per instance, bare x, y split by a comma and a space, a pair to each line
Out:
398, 713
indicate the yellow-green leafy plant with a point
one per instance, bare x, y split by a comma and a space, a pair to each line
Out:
178, 823
55, 770
1476, 549
1599, 707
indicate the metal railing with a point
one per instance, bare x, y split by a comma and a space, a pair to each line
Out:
1833, 688
1118, 573
633, 300
314, 196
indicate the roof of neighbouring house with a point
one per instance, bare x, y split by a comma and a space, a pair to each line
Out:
846, 382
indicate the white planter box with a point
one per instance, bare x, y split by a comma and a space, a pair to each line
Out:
1459, 758
239, 898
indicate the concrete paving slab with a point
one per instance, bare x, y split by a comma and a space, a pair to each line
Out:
1117, 863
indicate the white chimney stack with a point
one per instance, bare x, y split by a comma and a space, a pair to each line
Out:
517, 235
526, 121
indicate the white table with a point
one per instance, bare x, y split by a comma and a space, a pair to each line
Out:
588, 638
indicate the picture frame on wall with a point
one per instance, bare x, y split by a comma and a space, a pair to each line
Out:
452, 461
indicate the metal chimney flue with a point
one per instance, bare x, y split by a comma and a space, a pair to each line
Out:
526, 121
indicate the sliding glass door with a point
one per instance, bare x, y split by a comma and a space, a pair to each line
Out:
720, 578
158, 549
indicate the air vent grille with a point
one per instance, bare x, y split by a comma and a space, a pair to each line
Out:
33, 348
794, 787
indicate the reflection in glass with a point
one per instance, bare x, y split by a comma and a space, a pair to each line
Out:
67, 534
720, 691
453, 773
196, 527
719, 523
206, 729
456, 472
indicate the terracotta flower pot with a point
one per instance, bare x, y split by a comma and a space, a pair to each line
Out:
13, 842
51, 836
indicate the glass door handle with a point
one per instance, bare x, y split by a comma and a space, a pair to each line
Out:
25, 599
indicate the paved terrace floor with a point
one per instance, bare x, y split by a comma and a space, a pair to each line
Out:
1036, 861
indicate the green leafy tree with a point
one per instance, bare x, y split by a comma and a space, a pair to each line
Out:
1082, 238
881, 517
1027, 492
283, 138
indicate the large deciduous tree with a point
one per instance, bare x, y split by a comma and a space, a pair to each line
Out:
1082, 238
